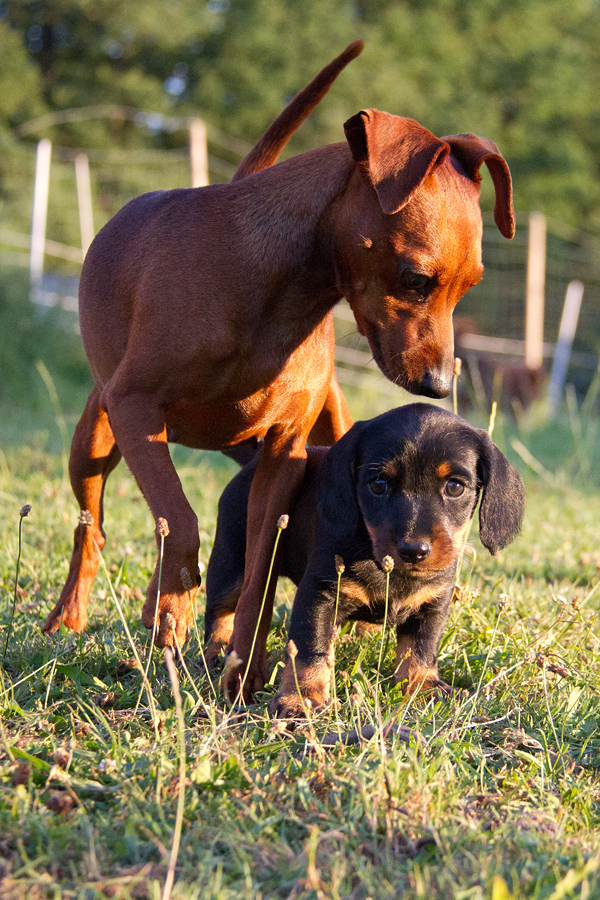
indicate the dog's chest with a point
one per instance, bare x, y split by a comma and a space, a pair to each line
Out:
364, 598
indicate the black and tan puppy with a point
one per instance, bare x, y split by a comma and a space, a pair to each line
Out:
403, 485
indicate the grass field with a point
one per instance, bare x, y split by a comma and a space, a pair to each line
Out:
499, 799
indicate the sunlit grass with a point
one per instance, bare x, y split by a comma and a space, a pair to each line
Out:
499, 798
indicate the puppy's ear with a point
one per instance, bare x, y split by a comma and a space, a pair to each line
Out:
503, 497
338, 507
395, 153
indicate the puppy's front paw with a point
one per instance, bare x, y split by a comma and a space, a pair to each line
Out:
294, 706
219, 639
414, 677
441, 688
304, 687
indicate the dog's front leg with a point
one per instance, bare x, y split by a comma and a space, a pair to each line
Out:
138, 425
418, 646
274, 487
334, 419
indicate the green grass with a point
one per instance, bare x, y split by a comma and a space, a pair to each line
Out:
503, 801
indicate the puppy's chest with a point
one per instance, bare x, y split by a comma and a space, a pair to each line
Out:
363, 595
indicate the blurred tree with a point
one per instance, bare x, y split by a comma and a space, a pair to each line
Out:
242, 84
20, 87
108, 52
523, 72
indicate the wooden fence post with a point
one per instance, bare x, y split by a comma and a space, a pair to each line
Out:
84, 200
536, 278
562, 353
39, 218
198, 153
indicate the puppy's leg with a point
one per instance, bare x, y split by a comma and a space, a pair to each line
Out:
304, 685
94, 455
417, 650
310, 663
139, 428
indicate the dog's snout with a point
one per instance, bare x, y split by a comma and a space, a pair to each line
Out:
435, 384
414, 551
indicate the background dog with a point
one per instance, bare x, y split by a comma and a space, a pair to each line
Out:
405, 486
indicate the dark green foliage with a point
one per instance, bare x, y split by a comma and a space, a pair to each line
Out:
523, 73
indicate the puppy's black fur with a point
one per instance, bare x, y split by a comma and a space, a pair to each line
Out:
403, 485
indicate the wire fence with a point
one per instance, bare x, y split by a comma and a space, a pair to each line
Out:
494, 309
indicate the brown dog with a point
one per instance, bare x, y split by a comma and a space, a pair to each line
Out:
205, 318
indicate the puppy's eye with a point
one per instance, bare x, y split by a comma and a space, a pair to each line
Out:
454, 488
378, 486
415, 281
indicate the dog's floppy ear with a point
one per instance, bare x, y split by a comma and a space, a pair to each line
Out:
471, 151
396, 153
503, 497
338, 507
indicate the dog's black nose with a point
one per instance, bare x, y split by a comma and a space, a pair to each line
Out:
414, 552
435, 384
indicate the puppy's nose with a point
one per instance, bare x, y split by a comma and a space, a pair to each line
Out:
414, 552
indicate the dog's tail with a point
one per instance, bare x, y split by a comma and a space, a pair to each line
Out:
265, 153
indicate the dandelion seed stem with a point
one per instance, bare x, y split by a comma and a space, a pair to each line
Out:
146, 683
340, 568
455, 376
282, 524
162, 531
54, 661
24, 511
172, 670
388, 565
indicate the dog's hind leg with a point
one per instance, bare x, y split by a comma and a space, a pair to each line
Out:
94, 455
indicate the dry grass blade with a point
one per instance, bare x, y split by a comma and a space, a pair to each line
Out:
149, 694
282, 524
162, 529
24, 511
172, 670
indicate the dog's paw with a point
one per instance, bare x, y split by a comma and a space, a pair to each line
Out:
173, 621
240, 682
214, 654
442, 689
453, 692
71, 614
218, 639
294, 706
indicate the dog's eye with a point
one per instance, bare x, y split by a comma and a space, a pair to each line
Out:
378, 486
454, 488
415, 281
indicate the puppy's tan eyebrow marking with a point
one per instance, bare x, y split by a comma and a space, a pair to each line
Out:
444, 469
